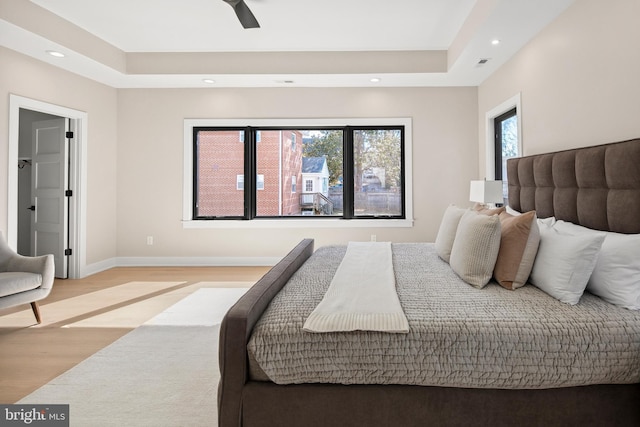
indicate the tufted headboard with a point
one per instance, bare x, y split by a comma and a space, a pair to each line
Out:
597, 187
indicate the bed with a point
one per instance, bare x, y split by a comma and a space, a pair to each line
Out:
595, 187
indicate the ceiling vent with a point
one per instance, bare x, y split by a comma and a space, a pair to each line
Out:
482, 61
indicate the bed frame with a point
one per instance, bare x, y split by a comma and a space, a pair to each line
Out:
598, 187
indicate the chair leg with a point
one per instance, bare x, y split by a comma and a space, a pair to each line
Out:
36, 311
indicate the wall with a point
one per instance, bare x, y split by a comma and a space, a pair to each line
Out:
578, 80
135, 144
150, 147
27, 77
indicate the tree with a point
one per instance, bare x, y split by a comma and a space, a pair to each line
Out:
327, 144
380, 149
510, 137
373, 149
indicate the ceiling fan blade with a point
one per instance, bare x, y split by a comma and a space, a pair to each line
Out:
243, 13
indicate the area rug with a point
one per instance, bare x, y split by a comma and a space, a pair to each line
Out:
163, 373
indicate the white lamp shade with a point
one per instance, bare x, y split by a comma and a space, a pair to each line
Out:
486, 192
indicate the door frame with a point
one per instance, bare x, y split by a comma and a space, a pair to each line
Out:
77, 176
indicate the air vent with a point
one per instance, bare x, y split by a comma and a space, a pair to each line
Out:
482, 61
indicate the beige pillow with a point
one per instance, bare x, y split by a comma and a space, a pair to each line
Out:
484, 209
518, 249
476, 247
447, 231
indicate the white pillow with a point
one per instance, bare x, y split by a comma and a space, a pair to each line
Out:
447, 231
564, 263
549, 222
512, 211
616, 276
475, 248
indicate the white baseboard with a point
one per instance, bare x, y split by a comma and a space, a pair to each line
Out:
179, 262
97, 267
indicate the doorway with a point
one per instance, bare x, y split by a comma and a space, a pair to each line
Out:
43, 179
22, 113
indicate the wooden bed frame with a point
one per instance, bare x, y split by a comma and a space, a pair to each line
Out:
598, 187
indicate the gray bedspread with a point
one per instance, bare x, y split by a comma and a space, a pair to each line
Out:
459, 336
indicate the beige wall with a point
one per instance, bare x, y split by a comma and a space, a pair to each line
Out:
150, 147
579, 80
24, 76
135, 146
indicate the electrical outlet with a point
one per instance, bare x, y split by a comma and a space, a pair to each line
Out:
373, 237
149, 240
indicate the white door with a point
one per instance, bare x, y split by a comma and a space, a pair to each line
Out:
49, 177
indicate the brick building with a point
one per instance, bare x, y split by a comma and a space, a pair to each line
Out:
221, 173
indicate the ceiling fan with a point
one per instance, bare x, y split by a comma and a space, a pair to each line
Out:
243, 13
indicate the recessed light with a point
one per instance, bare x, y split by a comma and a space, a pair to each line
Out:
375, 80
495, 42
55, 53
209, 81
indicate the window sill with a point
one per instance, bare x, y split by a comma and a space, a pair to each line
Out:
298, 223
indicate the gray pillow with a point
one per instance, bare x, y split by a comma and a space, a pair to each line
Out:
447, 231
475, 248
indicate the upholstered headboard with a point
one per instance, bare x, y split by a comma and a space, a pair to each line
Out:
597, 187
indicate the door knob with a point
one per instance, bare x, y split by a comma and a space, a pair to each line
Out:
32, 208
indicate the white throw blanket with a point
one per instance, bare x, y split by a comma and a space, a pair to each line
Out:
362, 295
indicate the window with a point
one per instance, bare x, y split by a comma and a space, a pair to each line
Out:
219, 172
505, 145
377, 172
503, 139
241, 139
360, 170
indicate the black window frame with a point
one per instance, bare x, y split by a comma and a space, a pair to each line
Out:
251, 138
497, 142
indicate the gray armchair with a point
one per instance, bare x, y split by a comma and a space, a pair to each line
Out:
24, 279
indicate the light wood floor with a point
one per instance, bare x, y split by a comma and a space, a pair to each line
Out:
32, 355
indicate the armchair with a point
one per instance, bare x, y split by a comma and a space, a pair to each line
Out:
24, 279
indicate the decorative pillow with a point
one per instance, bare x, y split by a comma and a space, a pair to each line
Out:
518, 248
484, 209
616, 276
475, 248
564, 263
447, 231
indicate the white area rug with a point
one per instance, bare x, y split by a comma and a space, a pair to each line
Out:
163, 373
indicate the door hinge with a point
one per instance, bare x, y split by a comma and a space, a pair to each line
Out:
67, 252
69, 135
68, 193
